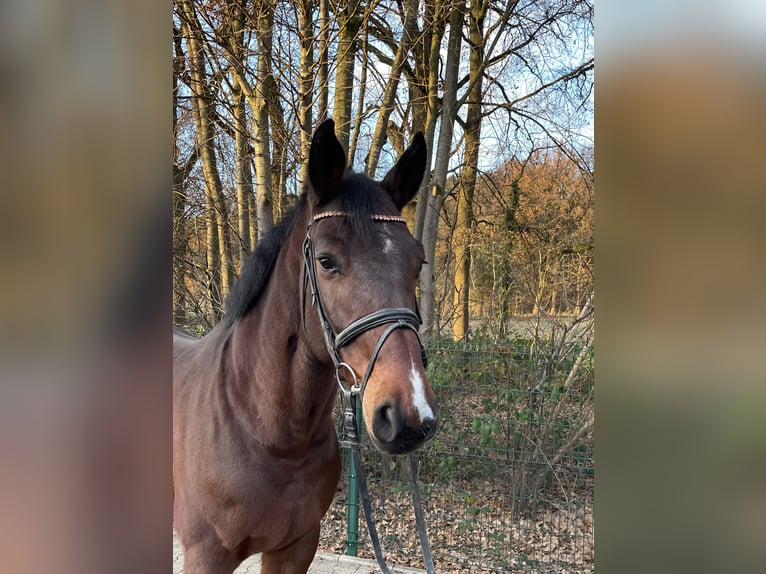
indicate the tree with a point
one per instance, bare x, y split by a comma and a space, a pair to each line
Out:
264, 86
181, 170
389, 94
306, 100
215, 213
237, 24
467, 184
424, 80
443, 152
349, 21
255, 78
535, 224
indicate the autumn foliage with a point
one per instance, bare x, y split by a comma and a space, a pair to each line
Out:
531, 242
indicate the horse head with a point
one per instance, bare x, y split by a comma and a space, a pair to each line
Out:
363, 264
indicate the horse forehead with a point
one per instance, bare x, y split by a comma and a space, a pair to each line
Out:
394, 239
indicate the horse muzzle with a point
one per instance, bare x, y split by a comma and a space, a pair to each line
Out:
393, 434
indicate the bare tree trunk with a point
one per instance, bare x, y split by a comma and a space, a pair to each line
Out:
263, 195
231, 35
253, 221
465, 219
244, 175
323, 71
180, 243
224, 240
180, 173
279, 138
433, 109
461, 242
436, 198
360, 97
348, 23
389, 95
278, 168
306, 89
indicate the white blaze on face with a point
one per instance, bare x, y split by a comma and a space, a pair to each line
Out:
419, 395
388, 245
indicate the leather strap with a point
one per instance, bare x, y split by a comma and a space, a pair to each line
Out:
376, 319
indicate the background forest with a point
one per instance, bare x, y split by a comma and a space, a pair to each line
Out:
502, 90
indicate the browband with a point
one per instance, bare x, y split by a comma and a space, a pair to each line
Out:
376, 216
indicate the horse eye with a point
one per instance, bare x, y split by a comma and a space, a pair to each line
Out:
327, 264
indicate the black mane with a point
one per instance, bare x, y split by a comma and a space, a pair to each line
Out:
356, 196
257, 270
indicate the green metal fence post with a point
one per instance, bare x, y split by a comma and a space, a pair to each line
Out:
352, 527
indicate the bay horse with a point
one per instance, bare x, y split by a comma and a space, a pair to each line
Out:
255, 454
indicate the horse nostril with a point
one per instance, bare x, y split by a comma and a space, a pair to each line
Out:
428, 426
385, 422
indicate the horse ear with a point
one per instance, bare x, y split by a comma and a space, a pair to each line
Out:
404, 179
327, 161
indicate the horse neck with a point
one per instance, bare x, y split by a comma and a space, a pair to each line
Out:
287, 387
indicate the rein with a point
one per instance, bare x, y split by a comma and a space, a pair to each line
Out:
395, 318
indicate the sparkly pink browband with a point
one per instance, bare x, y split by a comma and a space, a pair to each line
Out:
376, 217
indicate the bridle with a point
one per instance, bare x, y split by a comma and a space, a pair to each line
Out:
395, 318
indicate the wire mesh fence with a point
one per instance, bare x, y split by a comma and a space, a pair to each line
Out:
507, 483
